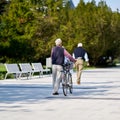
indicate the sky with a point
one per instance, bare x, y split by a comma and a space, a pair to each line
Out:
113, 4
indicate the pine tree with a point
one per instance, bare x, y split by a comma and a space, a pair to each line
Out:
3, 3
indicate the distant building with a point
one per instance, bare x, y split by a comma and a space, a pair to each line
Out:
70, 1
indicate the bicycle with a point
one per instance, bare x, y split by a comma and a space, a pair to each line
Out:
67, 78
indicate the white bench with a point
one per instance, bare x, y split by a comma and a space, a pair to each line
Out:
13, 69
48, 62
26, 68
39, 67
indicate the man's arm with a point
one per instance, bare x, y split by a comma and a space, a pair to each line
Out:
86, 59
67, 54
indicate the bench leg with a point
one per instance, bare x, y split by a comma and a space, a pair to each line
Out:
6, 75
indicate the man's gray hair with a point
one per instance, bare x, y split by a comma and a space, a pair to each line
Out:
80, 45
58, 41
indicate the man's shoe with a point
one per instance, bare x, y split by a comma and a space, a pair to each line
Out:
78, 82
56, 93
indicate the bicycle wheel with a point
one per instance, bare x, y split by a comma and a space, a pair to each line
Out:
65, 85
70, 83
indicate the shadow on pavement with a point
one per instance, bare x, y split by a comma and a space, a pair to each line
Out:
36, 92
24, 93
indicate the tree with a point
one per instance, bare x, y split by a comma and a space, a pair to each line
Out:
17, 29
3, 4
93, 28
33, 26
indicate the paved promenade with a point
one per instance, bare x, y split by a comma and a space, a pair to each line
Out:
97, 98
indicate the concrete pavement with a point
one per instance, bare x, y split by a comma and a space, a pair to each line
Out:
97, 98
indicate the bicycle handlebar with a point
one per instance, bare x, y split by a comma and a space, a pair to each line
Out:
68, 65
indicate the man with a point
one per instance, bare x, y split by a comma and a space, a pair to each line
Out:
81, 55
58, 54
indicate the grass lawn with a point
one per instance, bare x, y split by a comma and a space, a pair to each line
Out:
2, 71
2, 68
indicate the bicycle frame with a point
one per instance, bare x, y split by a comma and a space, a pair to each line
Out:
67, 79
